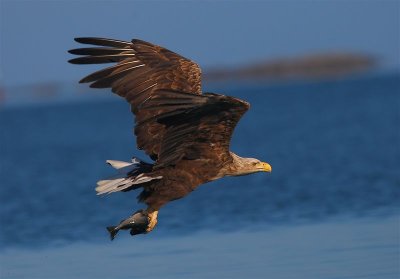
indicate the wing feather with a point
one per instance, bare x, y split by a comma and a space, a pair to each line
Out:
108, 81
102, 42
98, 51
107, 71
100, 59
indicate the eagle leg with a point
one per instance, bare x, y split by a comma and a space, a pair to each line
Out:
152, 217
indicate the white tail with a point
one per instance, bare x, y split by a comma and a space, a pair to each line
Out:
129, 174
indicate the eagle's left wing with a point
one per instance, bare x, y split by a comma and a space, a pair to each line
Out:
142, 70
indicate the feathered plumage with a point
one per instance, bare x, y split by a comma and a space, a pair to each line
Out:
187, 133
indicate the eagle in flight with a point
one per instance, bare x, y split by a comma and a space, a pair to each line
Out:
185, 132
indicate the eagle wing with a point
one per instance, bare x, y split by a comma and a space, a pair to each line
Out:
143, 71
198, 127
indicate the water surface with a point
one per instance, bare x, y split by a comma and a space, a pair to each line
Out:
334, 148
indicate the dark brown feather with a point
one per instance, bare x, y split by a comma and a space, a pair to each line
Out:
102, 42
116, 75
98, 51
100, 59
110, 70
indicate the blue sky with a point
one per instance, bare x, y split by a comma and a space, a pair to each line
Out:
35, 35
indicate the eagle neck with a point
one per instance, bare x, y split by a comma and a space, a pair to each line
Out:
236, 167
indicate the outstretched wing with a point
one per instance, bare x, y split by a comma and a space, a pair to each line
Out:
142, 71
198, 127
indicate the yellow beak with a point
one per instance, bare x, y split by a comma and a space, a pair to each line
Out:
265, 167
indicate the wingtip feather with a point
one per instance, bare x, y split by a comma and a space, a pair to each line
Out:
102, 41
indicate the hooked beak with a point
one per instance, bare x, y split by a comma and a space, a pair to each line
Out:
265, 167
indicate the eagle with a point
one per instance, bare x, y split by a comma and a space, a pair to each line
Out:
184, 131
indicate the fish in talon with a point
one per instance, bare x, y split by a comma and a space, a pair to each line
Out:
138, 223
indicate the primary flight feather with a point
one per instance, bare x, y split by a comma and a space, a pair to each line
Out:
186, 133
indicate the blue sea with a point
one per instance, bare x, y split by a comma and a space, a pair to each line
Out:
329, 209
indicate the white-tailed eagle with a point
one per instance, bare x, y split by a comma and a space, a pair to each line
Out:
185, 132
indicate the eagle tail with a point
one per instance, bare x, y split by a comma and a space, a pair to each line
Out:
130, 176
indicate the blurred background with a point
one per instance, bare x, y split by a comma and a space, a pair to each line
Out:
323, 79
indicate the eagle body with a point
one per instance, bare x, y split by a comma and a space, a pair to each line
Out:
184, 131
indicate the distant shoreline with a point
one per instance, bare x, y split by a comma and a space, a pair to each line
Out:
314, 66
62, 92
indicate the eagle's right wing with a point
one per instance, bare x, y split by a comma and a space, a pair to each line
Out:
199, 126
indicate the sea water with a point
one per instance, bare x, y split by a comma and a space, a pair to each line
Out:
329, 209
